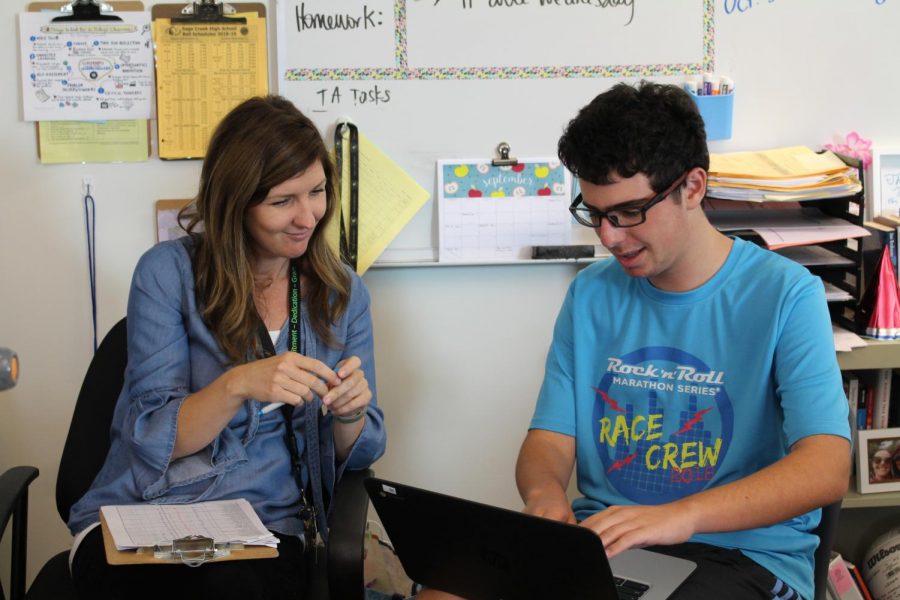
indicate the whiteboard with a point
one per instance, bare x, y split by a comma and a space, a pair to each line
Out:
439, 79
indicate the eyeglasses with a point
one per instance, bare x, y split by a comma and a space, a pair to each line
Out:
877, 460
620, 217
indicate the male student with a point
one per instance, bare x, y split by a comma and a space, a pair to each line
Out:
693, 376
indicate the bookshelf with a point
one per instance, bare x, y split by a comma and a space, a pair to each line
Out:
878, 354
866, 516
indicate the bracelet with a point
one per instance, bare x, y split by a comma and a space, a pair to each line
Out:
350, 418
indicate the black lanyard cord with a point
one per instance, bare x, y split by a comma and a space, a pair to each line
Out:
296, 343
349, 239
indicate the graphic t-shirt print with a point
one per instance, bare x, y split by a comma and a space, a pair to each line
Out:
662, 423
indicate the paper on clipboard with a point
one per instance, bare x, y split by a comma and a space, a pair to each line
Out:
144, 525
85, 70
92, 141
203, 70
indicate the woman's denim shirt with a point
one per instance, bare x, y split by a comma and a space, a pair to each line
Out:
171, 354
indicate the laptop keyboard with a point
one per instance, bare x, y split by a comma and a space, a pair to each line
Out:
630, 590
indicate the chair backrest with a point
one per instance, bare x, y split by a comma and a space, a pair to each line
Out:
87, 443
826, 530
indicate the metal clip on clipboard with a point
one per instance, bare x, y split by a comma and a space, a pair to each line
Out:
86, 10
207, 11
193, 550
505, 159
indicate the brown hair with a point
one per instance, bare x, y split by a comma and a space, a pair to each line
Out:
261, 143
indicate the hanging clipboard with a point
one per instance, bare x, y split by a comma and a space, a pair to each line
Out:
91, 141
205, 65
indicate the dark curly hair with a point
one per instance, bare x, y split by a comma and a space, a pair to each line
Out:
649, 128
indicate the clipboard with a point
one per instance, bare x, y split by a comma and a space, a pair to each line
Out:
184, 122
90, 129
135, 557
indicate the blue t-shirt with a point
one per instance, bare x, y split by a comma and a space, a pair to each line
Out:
668, 394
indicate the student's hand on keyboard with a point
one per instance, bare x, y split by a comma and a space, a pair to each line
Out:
624, 527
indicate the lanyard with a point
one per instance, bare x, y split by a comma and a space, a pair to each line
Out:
296, 343
348, 241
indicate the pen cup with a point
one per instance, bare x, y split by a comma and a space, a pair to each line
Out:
717, 114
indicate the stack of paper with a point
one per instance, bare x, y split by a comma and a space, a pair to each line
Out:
788, 227
145, 525
781, 174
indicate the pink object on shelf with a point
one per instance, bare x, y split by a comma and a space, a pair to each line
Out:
882, 303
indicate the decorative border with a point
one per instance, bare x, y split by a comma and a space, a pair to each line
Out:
403, 72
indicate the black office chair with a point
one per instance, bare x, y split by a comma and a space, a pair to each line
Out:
339, 576
826, 531
14, 504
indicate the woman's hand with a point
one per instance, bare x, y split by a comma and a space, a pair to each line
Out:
351, 395
289, 377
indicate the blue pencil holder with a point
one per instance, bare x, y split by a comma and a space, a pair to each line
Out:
717, 112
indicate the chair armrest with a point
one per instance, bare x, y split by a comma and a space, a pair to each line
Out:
346, 536
14, 503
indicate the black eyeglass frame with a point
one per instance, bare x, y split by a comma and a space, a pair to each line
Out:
578, 212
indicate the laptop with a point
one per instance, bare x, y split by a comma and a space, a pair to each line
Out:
484, 552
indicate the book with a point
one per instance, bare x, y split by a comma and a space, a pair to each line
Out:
870, 399
890, 239
881, 402
840, 581
851, 390
862, 406
858, 578
894, 409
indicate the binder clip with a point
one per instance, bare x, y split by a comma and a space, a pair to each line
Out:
505, 159
193, 550
207, 11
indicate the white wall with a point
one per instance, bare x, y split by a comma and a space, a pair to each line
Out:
460, 350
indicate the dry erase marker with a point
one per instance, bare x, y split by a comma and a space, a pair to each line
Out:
707, 84
726, 85
270, 407
691, 86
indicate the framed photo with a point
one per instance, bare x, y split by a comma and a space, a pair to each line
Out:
885, 181
878, 460
167, 226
